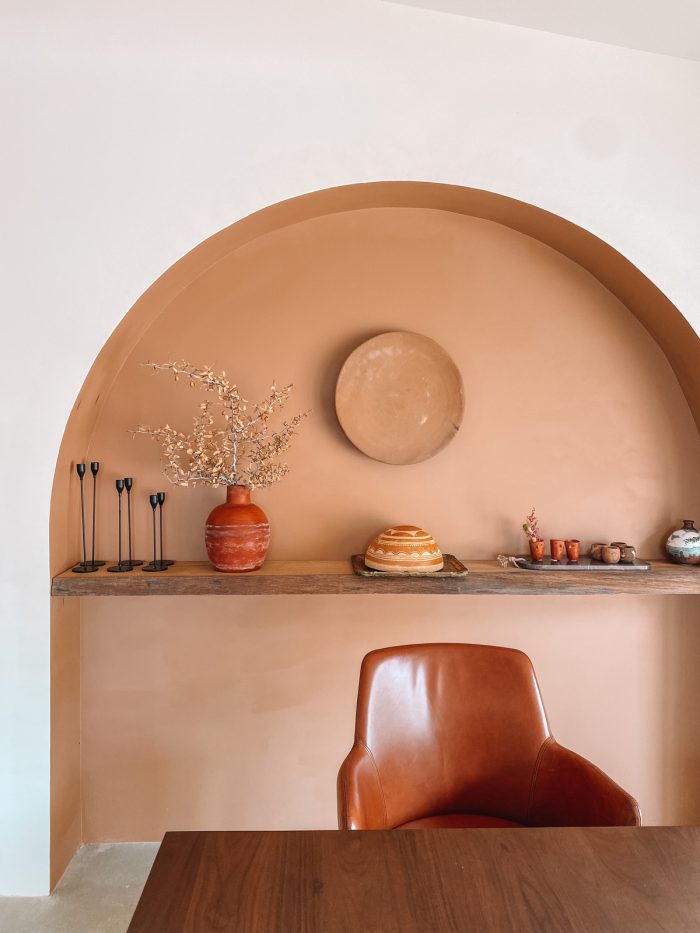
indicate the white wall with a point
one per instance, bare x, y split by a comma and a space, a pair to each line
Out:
133, 131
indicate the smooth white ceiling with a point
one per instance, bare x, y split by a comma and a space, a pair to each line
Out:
671, 27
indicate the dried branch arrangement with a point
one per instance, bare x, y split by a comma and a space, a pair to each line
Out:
531, 526
242, 452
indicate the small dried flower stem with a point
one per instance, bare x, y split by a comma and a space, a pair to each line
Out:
531, 526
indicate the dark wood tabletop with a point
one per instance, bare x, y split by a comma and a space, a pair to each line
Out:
601, 880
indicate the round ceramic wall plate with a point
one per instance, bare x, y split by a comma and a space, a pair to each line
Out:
399, 398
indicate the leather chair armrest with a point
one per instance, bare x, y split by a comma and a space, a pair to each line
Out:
568, 790
361, 802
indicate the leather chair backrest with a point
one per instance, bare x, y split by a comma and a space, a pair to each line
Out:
451, 728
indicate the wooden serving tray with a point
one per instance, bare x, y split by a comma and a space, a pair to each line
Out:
584, 563
452, 568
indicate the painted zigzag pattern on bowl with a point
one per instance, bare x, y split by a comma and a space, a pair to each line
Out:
404, 548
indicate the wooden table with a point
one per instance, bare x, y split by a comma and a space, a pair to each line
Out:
472, 881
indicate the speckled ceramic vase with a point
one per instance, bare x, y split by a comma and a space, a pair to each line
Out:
237, 533
683, 546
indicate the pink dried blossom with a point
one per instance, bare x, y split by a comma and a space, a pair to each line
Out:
531, 526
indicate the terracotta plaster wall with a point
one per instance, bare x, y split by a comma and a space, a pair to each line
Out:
236, 712
569, 403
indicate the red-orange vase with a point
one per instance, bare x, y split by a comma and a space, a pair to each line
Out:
237, 533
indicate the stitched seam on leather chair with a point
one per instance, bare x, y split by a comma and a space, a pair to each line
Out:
343, 783
606, 777
535, 772
379, 782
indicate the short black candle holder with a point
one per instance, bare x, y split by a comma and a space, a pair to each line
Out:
128, 484
121, 566
85, 565
156, 565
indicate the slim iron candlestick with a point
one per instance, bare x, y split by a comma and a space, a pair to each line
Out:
161, 500
121, 566
155, 566
83, 566
80, 468
94, 469
154, 502
128, 483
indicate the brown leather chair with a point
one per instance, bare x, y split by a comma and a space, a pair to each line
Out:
456, 736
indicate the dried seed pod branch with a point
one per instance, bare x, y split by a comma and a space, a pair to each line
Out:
531, 526
240, 453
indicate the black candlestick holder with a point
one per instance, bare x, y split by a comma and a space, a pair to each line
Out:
94, 469
128, 484
85, 565
156, 565
121, 566
161, 500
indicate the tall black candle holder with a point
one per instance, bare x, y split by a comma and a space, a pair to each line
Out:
121, 566
161, 501
128, 484
155, 565
85, 565
82, 567
94, 469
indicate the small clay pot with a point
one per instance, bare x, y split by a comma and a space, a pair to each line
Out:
596, 550
611, 554
573, 550
556, 549
537, 549
628, 554
619, 544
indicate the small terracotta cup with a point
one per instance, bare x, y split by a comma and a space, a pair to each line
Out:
596, 550
619, 544
573, 550
628, 554
611, 554
556, 549
537, 549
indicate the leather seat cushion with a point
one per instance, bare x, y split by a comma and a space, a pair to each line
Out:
459, 821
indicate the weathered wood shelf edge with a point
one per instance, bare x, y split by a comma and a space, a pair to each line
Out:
281, 578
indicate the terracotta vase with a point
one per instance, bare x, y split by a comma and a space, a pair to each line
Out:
237, 533
537, 549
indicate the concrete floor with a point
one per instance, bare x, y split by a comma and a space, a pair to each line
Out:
97, 894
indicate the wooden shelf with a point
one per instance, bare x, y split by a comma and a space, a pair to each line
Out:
277, 578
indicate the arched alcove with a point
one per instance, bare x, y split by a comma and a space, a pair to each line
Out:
543, 319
